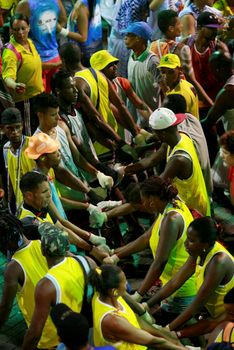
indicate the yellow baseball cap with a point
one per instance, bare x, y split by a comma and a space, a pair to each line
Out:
41, 144
169, 61
100, 59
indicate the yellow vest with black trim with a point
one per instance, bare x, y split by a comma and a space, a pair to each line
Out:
192, 190
178, 254
25, 164
100, 310
100, 89
69, 282
34, 266
214, 304
27, 213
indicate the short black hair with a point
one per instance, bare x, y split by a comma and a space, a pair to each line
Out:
166, 19
176, 103
58, 78
11, 230
19, 17
72, 327
31, 180
206, 228
70, 53
44, 101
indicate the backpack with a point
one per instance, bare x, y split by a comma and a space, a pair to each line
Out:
86, 309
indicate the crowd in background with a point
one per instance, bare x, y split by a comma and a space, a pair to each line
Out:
115, 113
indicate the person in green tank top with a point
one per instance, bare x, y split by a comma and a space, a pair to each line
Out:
166, 239
213, 266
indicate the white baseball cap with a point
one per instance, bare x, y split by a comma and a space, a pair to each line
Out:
163, 118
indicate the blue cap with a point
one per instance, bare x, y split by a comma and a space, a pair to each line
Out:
141, 29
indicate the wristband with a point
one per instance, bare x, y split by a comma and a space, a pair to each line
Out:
64, 32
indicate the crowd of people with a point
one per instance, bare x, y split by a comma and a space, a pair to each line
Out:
112, 111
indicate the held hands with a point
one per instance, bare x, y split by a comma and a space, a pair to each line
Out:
140, 139
100, 242
112, 260
98, 254
96, 217
104, 180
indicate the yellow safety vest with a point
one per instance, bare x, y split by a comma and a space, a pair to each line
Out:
99, 90
34, 266
17, 165
215, 302
178, 255
100, 310
68, 279
27, 213
192, 190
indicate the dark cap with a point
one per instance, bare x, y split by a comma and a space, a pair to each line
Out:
209, 20
140, 29
72, 327
31, 226
54, 240
11, 116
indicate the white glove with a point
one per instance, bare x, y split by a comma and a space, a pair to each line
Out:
119, 168
96, 217
109, 204
104, 247
97, 240
141, 137
104, 180
157, 326
137, 297
147, 318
